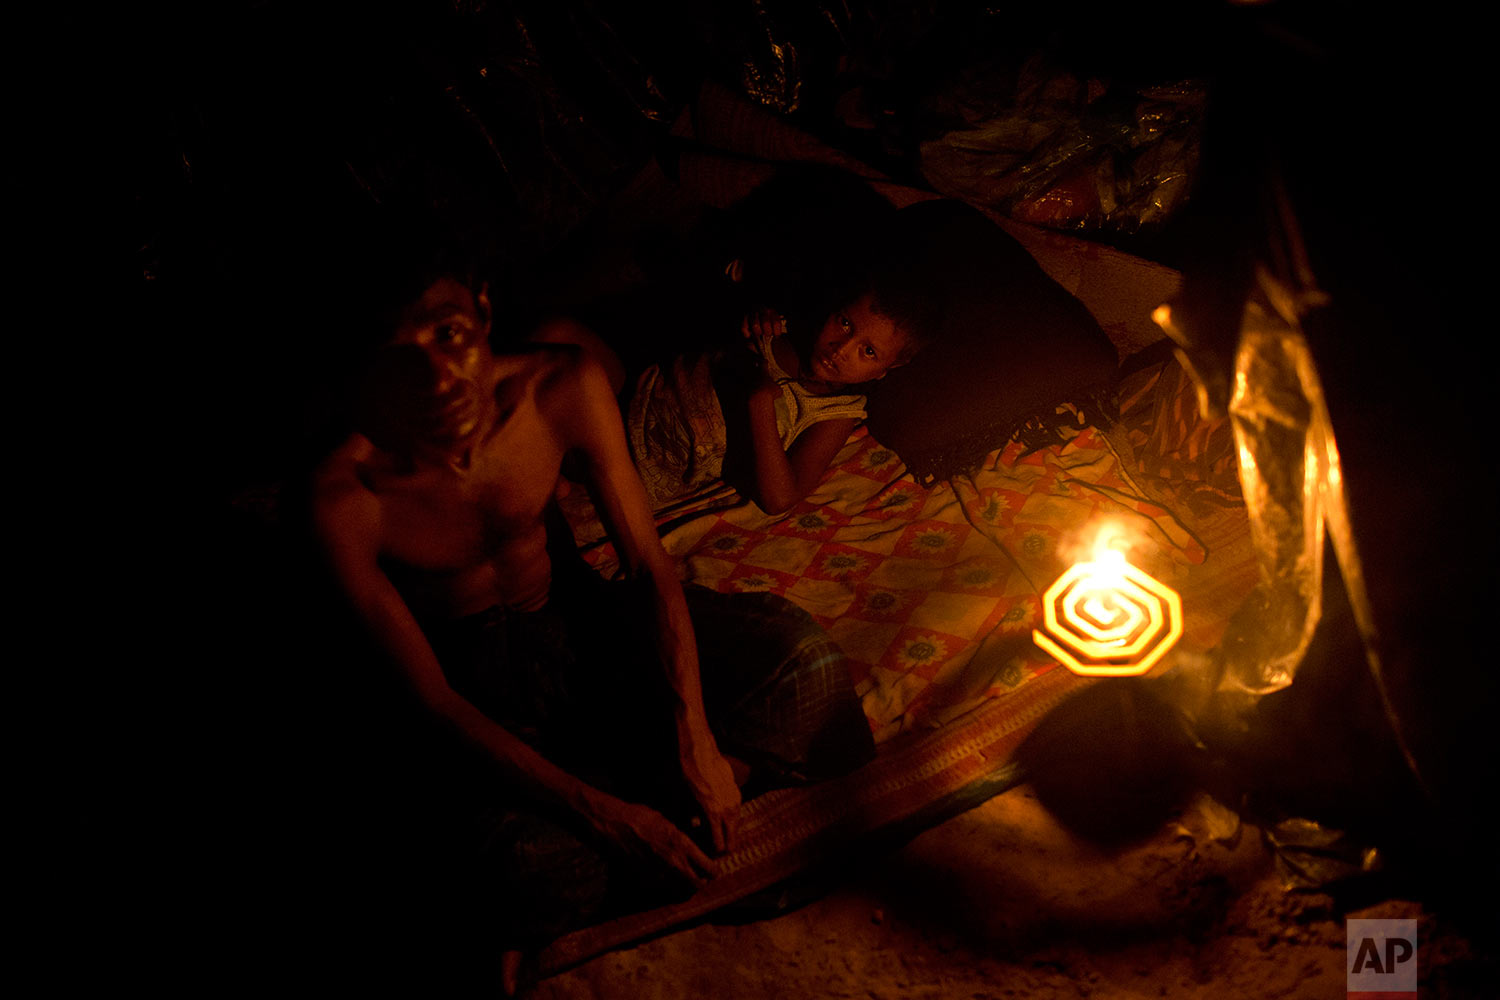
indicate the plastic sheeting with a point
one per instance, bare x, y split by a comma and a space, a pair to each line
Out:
1074, 154
1292, 481
1287, 466
1310, 856
1293, 486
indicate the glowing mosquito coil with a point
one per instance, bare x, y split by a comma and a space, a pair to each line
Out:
1107, 618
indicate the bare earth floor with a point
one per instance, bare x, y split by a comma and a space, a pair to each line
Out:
1001, 902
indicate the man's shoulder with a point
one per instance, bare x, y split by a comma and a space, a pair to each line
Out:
567, 378
340, 485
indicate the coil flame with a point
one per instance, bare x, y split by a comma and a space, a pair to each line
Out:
1107, 618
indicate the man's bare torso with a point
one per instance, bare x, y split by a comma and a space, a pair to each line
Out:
458, 540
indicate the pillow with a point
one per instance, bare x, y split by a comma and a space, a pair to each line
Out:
1007, 346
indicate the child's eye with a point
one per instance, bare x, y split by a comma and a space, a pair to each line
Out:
449, 333
844, 324
869, 350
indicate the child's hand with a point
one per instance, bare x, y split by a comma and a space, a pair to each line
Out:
763, 323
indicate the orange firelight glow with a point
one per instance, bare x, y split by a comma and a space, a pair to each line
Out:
1107, 618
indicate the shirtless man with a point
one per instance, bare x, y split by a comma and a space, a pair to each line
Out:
435, 511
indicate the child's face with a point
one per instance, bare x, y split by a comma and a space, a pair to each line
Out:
857, 344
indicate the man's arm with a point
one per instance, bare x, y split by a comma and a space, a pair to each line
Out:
596, 436
347, 520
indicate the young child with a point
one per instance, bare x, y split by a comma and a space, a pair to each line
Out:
768, 416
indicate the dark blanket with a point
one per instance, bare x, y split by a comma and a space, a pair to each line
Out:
1010, 346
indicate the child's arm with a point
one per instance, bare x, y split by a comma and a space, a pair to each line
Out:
778, 477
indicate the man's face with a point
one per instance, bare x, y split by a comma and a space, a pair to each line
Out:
857, 344
435, 377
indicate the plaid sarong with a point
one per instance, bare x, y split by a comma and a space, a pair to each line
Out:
579, 681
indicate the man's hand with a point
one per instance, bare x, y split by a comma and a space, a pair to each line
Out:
763, 323
711, 780
645, 834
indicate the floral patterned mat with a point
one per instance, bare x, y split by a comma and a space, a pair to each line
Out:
933, 592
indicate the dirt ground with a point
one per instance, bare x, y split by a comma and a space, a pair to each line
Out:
1002, 902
